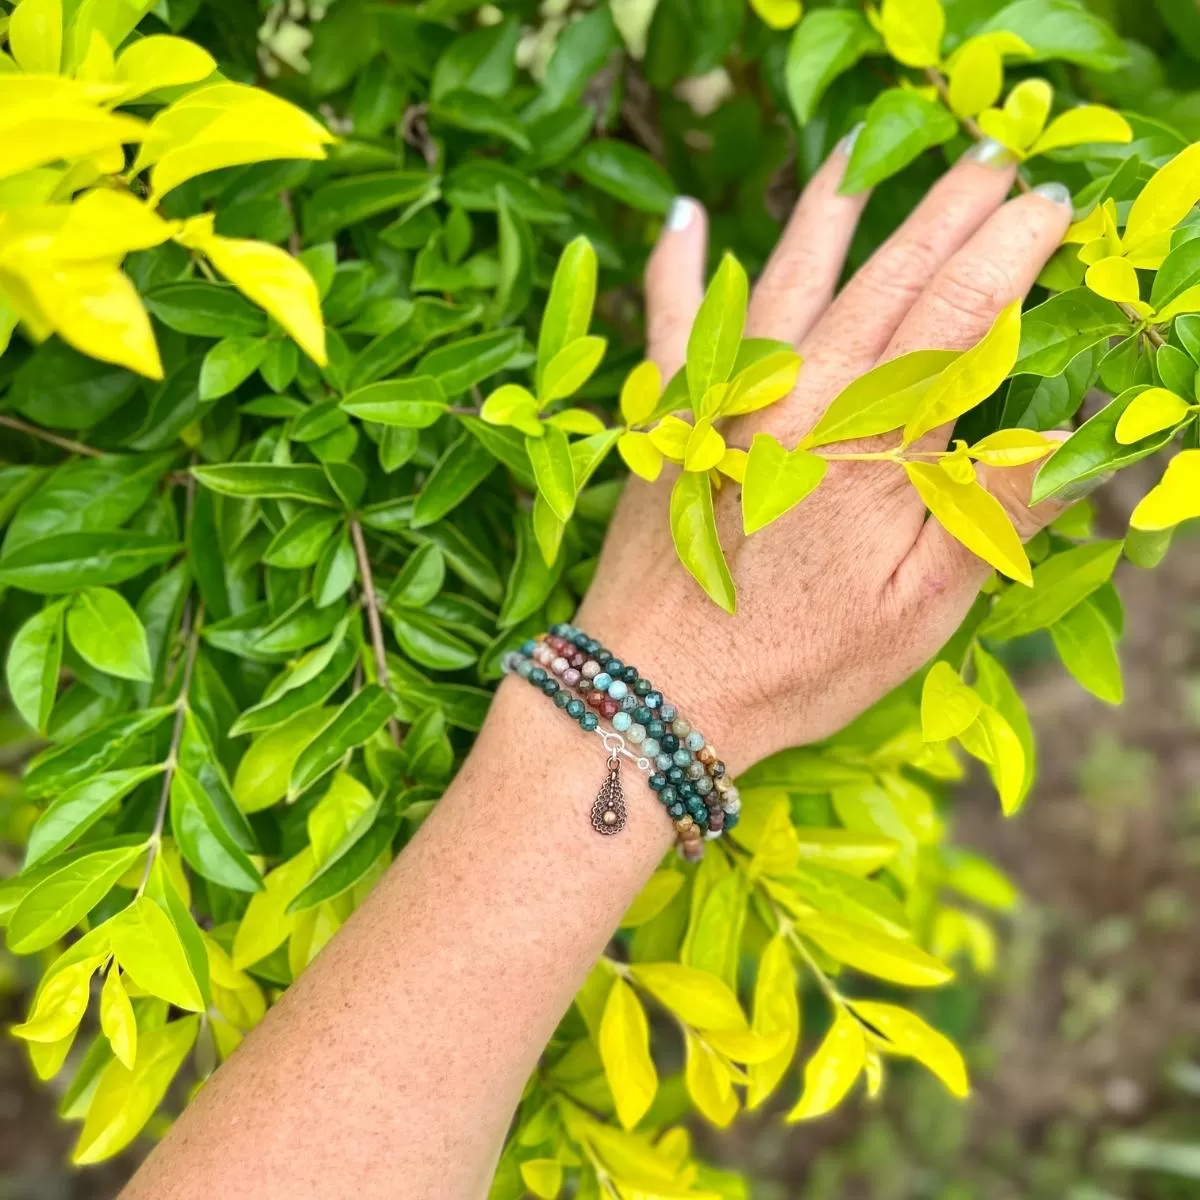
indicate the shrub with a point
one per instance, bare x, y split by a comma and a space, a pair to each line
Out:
305, 426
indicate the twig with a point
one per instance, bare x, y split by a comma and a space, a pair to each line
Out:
371, 603
53, 438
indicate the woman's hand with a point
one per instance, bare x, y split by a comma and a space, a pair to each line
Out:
848, 593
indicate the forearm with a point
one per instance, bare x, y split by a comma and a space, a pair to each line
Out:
393, 1066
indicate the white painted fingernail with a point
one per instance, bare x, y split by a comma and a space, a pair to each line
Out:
1055, 192
847, 143
680, 214
991, 153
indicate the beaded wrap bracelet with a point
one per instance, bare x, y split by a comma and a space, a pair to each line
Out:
590, 683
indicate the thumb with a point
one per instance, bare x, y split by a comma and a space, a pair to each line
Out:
940, 564
675, 283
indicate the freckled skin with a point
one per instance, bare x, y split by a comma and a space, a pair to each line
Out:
393, 1066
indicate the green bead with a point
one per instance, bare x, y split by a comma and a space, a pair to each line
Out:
576, 708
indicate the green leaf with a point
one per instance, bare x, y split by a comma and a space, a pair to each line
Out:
1087, 647
1059, 584
881, 400
413, 403
460, 470
624, 1045
776, 481
350, 861
205, 310
343, 202
148, 946
229, 364
420, 579
459, 366
483, 60
948, 706
479, 114
203, 839
362, 716
568, 311
1059, 29
264, 770
64, 562
717, 331
571, 368
335, 572
106, 632
32, 667
1093, 450
626, 172
900, 125
1058, 330
75, 811
694, 531
550, 457
874, 953
827, 42
61, 900
531, 579
268, 481
300, 542
125, 1100
426, 642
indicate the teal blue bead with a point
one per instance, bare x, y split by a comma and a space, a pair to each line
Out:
576, 709
642, 715
694, 740
651, 748
524, 667
537, 675
653, 699
589, 721
618, 689
668, 795
603, 681
676, 810
655, 728
682, 757
562, 698
621, 721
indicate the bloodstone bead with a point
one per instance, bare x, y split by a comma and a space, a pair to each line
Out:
670, 743
608, 708
668, 712
653, 699
699, 813
592, 646
537, 675
603, 657
675, 774
629, 674
550, 686
655, 728
676, 810
668, 795
589, 721
717, 769
687, 789
562, 698
614, 667
642, 715
658, 781
642, 687
576, 709
731, 819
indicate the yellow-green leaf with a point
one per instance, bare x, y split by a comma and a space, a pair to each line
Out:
694, 531
149, 949
511, 404
873, 952
1085, 643
1148, 412
913, 30
624, 1045
543, 1177
670, 436
763, 382
705, 447
1028, 107
550, 457
60, 1003
948, 706
971, 378
117, 1019
1077, 126
832, 1070
709, 1082
1011, 447
640, 455
970, 513
778, 14
1114, 279
1175, 498
696, 997
661, 888
160, 61
571, 368
908, 1035
35, 36
976, 77
267, 924
776, 480
640, 392
1166, 199
995, 743
717, 331
776, 1013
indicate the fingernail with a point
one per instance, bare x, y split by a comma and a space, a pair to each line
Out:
680, 214
1074, 492
847, 142
1055, 192
990, 153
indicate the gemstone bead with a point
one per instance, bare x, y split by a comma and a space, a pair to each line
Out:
576, 709
614, 667
722, 784
695, 770
601, 680
663, 761
676, 810
591, 669
675, 774
684, 823
655, 728
717, 769
618, 689
562, 698
670, 743
524, 668
621, 722
704, 785
668, 712
571, 677
603, 657
653, 699
668, 795
707, 755
642, 715
629, 704
682, 757
641, 687
594, 699
658, 781
732, 806
694, 741
528, 647
550, 686
651, 748
687, 789
589, 721
731, 819
577, 658
681, 727
636, 734
629, 674
717, 821
608, 708
559, 664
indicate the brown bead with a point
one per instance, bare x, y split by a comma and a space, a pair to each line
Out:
717, 769
716, 820
706, 755
595, 699
684, 823
576, 657
609, 708
721, 783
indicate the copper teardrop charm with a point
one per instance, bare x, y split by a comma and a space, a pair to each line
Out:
608, 812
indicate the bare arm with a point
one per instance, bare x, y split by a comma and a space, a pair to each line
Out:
394, 1064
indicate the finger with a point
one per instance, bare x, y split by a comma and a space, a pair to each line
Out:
940, 570
800, 277
997, 265
862, 320
675, 283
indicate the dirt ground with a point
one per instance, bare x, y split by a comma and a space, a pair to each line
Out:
1099, 989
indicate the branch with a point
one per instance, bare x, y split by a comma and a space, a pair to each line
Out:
53, 438
371, 603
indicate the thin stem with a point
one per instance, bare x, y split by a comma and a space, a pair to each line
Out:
1151, 333
371, 603
53, 438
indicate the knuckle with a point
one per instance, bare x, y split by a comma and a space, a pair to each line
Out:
975, 290
901, 267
